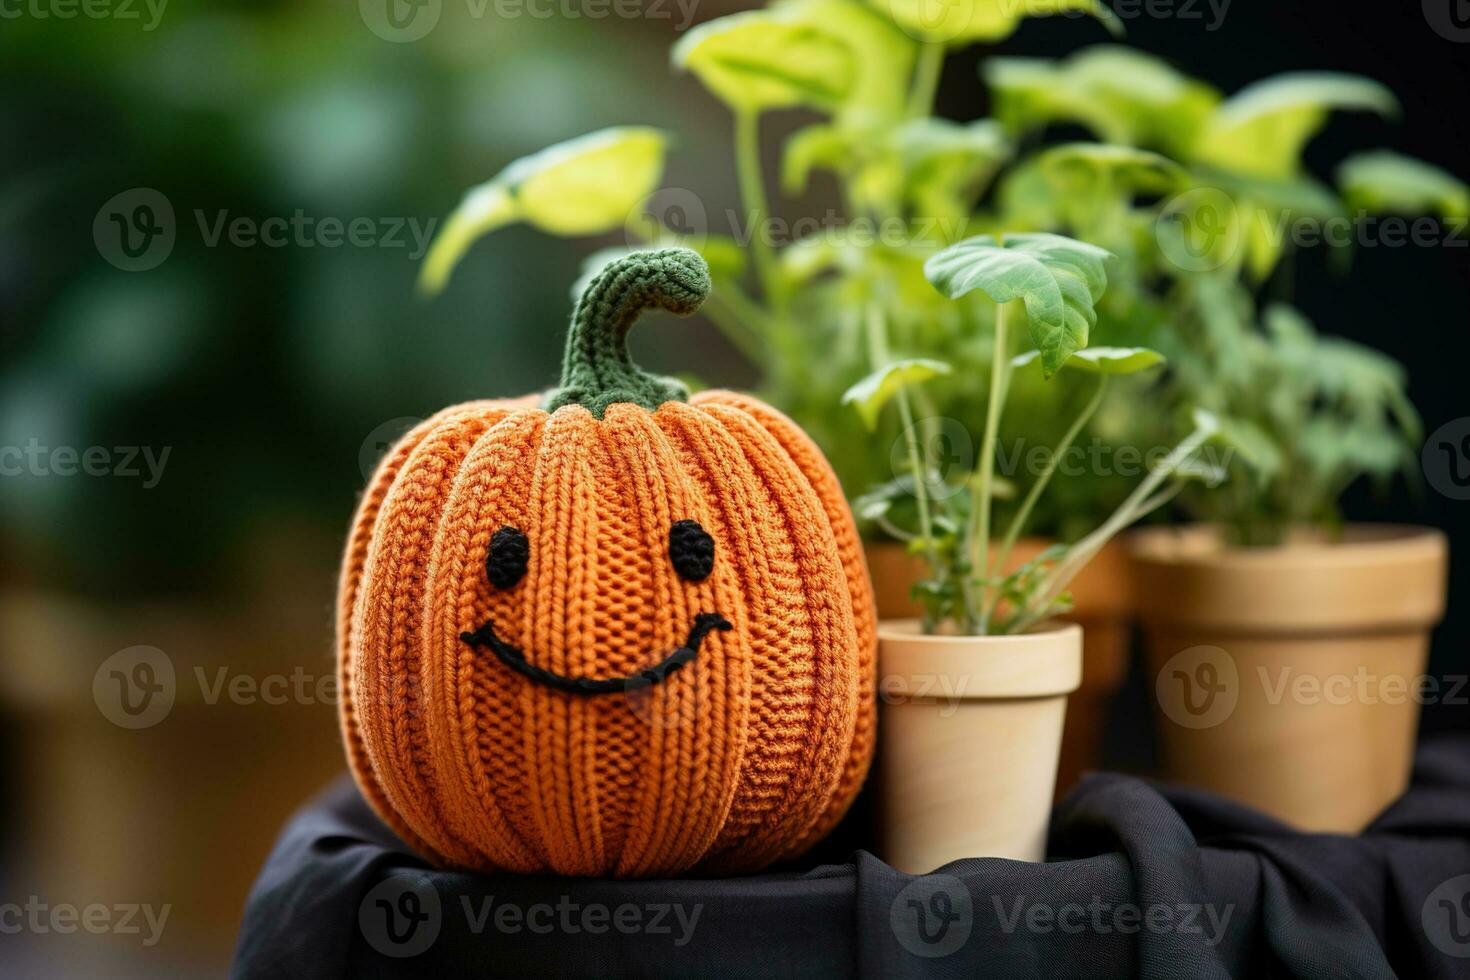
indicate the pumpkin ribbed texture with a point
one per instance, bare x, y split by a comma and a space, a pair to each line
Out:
483, 708
749, 753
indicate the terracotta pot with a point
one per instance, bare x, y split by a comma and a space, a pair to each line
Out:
970, 733
1289, 678
1102, 605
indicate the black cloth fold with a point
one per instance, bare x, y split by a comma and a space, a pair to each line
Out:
1144, 880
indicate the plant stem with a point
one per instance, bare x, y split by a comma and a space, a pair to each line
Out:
878, 353
753, 196
734, 329
981, 487
926, 79
1018, 522
1040, 609
1137, 505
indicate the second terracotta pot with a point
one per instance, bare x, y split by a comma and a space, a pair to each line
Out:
1103, 606
1291, 678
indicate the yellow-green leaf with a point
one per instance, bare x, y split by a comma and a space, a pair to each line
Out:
870, 394
482, 210
820, 145
1122, 95
883, 55
1387, 182
584, 186
589, 186
1082, 165
959, 22
1029, 93
762, 60
1265, 240
1261, 130
946, 164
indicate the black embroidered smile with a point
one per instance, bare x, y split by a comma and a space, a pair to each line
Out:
692, 552
513, 658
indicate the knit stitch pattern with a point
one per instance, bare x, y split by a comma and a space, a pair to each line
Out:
748, 752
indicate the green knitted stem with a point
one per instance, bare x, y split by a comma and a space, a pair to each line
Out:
597, 371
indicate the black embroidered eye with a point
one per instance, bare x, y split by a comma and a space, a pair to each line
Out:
692, 550
506, 561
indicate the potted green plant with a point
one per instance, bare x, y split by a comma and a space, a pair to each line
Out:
1094, 192
1179, 162
1288, 648
974, 691
796, 297
1269, 602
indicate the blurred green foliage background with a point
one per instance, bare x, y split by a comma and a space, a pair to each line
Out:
266, 368
272, 376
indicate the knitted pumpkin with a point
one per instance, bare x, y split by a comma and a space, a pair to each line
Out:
630, 634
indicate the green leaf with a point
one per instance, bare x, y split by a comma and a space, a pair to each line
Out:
1331, 445
933, 167
870, 394
1200, 470
823, 146
1254, 445
945, 163
762, 60
883, 53
1205, 421
1266, 209
1262, 129
723, 255
1162, 106
1122, 95
1082, 165
1289, 327
960, 22
877, 502
585, 186
1386, 182
1026, 198
1030, 93
1229, 217
1059, 279
1101, 360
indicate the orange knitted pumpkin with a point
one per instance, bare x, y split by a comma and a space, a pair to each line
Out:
629, 636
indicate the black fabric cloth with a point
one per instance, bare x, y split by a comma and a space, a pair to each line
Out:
1143, 880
